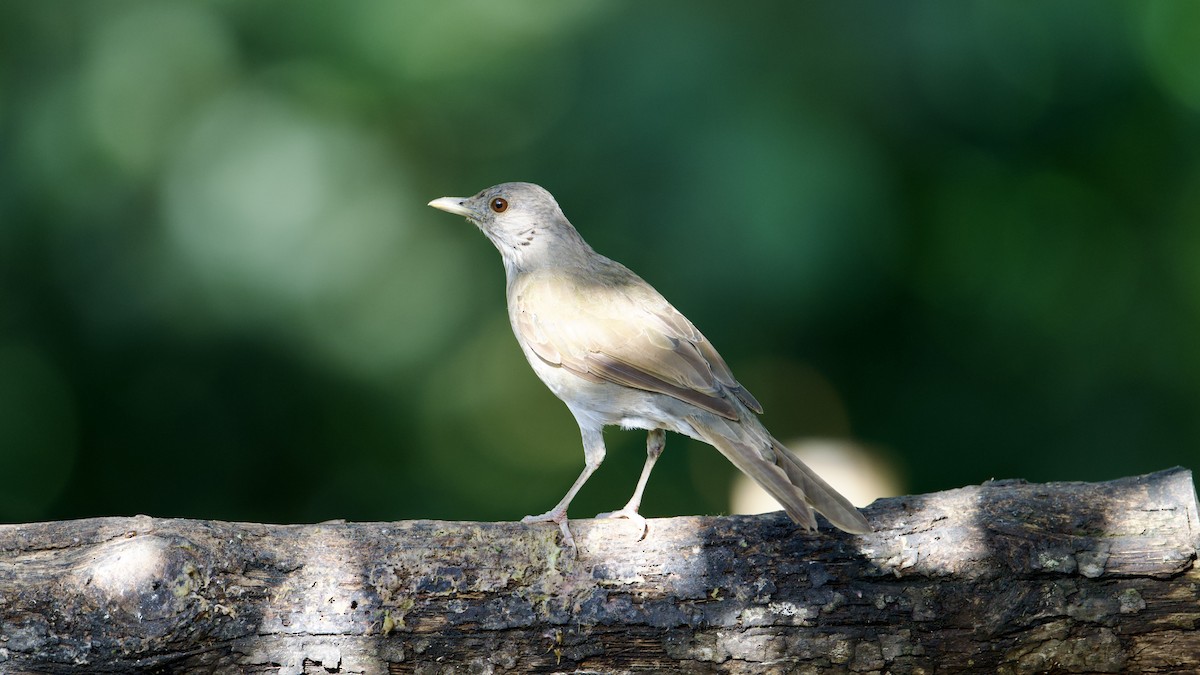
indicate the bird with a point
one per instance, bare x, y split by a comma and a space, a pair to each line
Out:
616, 352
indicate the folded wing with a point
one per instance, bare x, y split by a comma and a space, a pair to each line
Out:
606, 328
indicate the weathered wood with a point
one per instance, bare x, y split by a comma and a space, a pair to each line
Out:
1005, 577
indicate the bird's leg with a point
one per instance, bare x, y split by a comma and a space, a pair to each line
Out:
656, 440
593, 455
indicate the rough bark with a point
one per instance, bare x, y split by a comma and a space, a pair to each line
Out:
1005, 577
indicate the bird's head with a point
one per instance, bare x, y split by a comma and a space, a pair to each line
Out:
522, 220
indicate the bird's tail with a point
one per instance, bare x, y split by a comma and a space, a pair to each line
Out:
795, 486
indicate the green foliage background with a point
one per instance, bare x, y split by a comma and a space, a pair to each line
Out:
964, 233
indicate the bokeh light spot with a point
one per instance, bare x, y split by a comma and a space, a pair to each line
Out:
1172, 48
303, 228
148, 69
439, 41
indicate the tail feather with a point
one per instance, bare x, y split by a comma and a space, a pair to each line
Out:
774, 480
818, 494
795, 486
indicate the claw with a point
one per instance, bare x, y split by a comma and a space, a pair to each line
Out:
629, 514
559, 518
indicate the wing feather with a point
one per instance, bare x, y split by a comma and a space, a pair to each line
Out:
625, 333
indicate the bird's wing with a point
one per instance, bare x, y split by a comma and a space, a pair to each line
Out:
619, 329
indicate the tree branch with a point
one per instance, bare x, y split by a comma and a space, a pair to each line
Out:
1005, 577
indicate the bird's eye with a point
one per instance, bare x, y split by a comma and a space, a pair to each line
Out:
499, 205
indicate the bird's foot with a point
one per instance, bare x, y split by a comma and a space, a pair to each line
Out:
558, 517
629, 514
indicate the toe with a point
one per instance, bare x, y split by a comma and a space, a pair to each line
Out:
629, 514
558, 518
547, 517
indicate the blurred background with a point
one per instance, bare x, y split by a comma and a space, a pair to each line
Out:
960, 240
